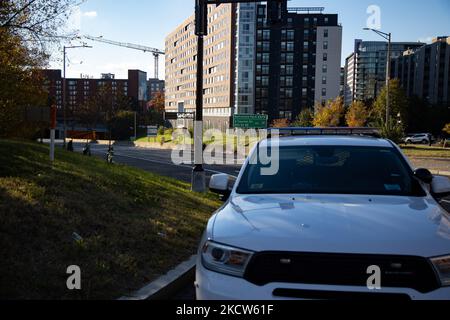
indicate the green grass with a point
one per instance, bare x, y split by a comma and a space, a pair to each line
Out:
426, 151
180, 140
135, 225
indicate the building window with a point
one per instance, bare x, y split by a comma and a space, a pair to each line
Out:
290, 46
325, 33
290, 34
304, 92
324, 68
289, 81
325, 57
324, 92
324, 80
325, 45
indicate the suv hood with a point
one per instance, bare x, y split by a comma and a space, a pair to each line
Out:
335, 224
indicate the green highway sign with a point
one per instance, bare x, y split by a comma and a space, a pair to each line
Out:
152, 131
256, 121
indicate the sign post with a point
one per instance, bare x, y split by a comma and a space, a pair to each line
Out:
152, 132
52, 132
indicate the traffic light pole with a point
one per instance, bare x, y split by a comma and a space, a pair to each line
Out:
201, 31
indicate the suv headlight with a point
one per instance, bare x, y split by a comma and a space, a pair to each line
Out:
442, 266
225, 259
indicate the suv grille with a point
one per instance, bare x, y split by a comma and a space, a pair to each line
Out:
341, 269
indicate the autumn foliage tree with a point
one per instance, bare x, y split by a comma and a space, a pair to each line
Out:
280, 123
27, 29
21, 86
154, 113
357, 115
304, 119
330, 114
447, 129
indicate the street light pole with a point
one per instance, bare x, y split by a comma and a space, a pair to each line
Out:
64, 98
388, 84
388, 37
64, 89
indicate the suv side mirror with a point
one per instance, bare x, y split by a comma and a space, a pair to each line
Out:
220, 184
424, 175
440, 186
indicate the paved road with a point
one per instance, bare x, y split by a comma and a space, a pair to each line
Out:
157, 161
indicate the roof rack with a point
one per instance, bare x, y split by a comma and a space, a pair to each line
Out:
341, 131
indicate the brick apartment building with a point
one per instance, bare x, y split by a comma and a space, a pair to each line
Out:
79, 91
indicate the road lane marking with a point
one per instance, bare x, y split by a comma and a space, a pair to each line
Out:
164, 163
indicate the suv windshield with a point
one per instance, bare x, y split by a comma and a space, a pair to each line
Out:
334, 170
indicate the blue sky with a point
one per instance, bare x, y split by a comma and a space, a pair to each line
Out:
148, 22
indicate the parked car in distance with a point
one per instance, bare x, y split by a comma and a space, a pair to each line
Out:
336, 207
422, 138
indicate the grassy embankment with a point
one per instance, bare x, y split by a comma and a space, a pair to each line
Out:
134, 225
426, 151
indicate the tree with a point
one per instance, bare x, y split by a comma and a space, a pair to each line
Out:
123, 125
305, 119
357, 115
36, 21
331, 114
280, 123
398, 103
21, 86
446, 129
103, 108
154, 112
27, 29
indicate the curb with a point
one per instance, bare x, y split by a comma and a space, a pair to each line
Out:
165, 287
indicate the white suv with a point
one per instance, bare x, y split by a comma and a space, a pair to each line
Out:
419, 139
338, 208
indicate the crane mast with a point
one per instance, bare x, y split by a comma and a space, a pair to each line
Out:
156, 52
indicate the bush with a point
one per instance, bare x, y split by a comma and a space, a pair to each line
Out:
395, 132
123, 125
304, 119
280, 123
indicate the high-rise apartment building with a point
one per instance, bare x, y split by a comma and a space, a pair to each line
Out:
366, 68
253, 67
298, 63
425, 72
181, 57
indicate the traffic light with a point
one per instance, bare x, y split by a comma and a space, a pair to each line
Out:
201, 17
275, 11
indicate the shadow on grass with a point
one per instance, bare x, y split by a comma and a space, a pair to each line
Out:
134, 225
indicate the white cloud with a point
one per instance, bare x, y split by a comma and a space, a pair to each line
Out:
90, 14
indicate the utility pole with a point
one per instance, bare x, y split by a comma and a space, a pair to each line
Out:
64, 90
274, 16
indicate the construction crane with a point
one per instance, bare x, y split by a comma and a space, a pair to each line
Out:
156, 52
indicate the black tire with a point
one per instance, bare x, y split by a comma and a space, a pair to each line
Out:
425, 142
